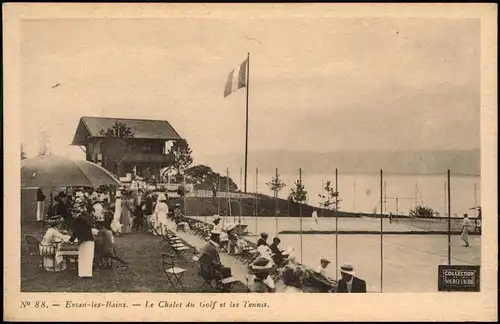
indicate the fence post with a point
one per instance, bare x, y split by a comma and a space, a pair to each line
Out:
449, 219
381, 231
276, 203
300, 214
336, 225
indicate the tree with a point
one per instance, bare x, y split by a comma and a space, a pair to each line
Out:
329, 200
199, 173
423, 211
275, 185
23, 152
117, 130
223, 180
182, 155
298, 194
44, 145
205, 178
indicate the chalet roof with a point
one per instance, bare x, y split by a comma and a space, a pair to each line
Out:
142, 128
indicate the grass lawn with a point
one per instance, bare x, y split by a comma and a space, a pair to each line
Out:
144, 274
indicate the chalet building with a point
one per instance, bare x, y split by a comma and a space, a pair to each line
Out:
126, 145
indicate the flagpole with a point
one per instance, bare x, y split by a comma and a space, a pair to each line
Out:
246, 123
382, 195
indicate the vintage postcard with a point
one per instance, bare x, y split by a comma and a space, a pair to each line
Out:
244, 162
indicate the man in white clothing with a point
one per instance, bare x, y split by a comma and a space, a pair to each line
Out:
324, 262
466, 227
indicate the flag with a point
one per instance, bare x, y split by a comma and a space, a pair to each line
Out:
236, 79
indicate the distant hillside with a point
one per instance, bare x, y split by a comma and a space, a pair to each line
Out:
408, 161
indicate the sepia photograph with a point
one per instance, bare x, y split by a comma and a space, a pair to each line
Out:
242, 154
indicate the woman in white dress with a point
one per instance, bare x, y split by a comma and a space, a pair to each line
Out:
48, 247
161, 211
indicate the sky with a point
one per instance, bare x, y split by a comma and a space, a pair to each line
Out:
315, 84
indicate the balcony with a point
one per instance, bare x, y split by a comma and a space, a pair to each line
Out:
147, 158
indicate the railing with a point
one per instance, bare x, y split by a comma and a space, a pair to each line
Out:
148, 157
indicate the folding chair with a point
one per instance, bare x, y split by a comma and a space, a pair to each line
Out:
174, 274
48, 251
36, 249
223, 246
209, 276
33, 245
229, 282
248, 254
176, 245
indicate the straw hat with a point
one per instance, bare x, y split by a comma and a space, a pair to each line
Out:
230, 226
215, 232
162, 197
287, 254
54, 220
216, 218
260, 265
323, 259
347, 268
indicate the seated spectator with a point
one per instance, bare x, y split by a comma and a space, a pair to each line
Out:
265, 252
275, 250
262, 239
53, 235
324, 262
262, 281
349, 283
291, 279
105, 245
210, 262
232, 237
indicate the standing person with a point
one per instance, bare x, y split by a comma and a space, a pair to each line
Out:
217, 225
214, 191
148, 207
40, 198
82, 230
349, 283
478, 220
390, 218
127, 212
315, 219
465, 230
98, 210
116, 226
62, 208
161, 211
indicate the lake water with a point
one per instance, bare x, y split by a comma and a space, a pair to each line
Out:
410, 262
361, 192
